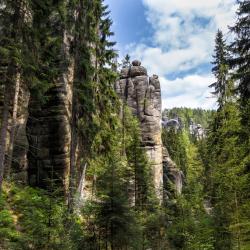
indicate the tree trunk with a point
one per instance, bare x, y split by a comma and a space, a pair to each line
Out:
3, 133
237, 221
15, 35
13, 126
73, 146
80, 191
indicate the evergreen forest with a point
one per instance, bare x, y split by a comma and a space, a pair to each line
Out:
80, 139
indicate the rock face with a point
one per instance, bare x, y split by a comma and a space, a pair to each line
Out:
173, 178
49, 136
49, 128
197, 131
143, 95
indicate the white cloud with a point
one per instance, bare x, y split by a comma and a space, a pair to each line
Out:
191, 91
160, 62
183, 40
175, 21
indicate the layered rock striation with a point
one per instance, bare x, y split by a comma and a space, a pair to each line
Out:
143, 95
49, 136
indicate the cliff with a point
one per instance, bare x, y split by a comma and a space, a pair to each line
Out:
43, 135
143, 95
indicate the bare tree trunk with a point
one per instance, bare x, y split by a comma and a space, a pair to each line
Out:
3, 133
80, 191
73, 146
10, 82
13, 126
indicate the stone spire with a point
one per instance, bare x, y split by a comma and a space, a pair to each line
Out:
143, 95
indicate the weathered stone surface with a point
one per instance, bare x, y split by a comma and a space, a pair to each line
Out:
136, 63
124, 73
143, 95
46, 147
49, 135
137, 71
173, 177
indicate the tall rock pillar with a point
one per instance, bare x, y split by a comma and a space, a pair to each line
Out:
143, 95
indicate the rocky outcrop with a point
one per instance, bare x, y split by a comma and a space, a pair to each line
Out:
49, 127
143, 95
173, 177
171, 123
197, 131
49, 136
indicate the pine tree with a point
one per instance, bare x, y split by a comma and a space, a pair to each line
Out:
226, 160
175, 142
126, 61
240, 63
220, 69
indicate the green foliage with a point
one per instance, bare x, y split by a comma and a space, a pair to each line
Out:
8, 233
227, 153
189, 224
139, 166
123, 194
33, 219
220, 69
42, 40
228, 180
240, 63
176, 143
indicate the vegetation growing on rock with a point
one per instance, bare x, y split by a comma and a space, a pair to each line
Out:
86, 162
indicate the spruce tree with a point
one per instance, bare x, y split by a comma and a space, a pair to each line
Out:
220, 69
126, 61
240, 63
226, 155
12, 24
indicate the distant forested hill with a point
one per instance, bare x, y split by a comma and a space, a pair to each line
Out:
197, 115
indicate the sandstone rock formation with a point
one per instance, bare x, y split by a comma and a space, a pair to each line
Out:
49, 136
43, 133
197, 131
173, 178
143, 95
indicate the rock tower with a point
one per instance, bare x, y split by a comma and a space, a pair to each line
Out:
143, 95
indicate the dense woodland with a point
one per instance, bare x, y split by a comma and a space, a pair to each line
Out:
44, 43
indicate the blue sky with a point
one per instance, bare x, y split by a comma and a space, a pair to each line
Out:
174, 39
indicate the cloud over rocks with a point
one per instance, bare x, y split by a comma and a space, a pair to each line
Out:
182, 42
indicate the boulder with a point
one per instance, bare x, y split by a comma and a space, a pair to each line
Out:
136, 63
137, 71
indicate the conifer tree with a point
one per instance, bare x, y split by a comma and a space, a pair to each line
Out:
226, 159
11, 49
220, 69
240, 63
126, 61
